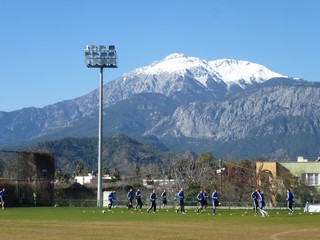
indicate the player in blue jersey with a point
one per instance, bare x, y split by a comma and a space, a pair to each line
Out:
138, 200
2, 195
205, 201
111, 198
180, 197
130, 197
215, 201
164, 198
153, 198
290, 201
200, 198
261, 203
254, 197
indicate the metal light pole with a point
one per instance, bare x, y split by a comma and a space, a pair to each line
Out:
220, 163
100, 57
220, 171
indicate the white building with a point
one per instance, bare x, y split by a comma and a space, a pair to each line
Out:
90, 178
149, 183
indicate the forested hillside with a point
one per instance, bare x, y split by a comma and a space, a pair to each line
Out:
119, 151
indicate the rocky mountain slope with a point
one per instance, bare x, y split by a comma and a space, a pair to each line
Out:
234, 108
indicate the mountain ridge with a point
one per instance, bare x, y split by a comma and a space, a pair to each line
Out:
183, 105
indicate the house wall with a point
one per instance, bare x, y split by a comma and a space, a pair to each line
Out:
309, 172
297, 168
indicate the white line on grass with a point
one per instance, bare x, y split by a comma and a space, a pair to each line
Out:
276, 235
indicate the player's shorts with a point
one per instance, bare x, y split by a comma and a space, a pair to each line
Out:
215, 203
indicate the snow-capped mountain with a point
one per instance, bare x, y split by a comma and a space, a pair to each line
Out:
242, 72
179, 74
228, 71
187, 102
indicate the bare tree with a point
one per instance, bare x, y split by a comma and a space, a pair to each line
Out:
200, 172
239, 180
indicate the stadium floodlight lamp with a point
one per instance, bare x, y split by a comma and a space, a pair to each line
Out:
113, 63
87, 52
100, 57
103, 56
95, 51
104, 61
103, 51
112, 56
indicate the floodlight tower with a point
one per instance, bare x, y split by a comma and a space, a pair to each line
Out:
100, 57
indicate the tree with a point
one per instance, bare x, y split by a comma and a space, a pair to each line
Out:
116, 176
239, 180
58, 174
2, 167
183, 172
137, 171
66, 177
79, 168
196, 173
152, 170
105, 171
203, 158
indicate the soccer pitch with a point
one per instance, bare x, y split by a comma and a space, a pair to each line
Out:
43, 223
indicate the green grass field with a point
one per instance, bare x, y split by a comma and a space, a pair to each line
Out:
90, 223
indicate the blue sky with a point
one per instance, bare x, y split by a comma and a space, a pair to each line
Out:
42, 58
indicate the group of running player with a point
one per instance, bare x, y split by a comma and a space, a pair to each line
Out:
259, 202
202, 197
257, 197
